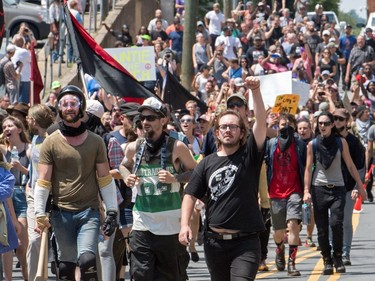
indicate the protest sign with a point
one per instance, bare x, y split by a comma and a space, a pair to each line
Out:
286, 103
139, 61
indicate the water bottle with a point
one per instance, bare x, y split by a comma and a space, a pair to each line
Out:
14, 155
306, 214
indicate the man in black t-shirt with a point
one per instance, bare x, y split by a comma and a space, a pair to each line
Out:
230, 178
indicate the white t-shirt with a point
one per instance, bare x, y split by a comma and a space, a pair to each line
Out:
216, 20
24, 56
230, 43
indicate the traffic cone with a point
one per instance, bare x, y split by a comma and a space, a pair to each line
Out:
358, 205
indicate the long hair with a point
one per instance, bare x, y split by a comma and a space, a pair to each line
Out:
18, 123
334, 130
241, 123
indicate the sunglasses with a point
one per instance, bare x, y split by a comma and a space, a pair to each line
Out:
338, 118
189, 120
234, 104
326, 124
149, 118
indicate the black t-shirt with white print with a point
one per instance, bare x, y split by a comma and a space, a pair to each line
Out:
231, 183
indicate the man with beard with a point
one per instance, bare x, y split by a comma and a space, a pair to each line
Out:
357, 153
230, 178
73, 167
151, 164
285, 159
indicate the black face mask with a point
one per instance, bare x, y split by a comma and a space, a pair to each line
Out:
286, 131
286, 135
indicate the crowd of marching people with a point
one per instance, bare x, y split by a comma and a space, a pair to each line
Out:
121, 183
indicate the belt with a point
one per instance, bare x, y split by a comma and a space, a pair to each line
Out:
330, 186
229, 236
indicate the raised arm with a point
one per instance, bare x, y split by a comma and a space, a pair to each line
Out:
260, 127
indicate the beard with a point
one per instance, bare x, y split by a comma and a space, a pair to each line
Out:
70, 118
149, 134
230, 143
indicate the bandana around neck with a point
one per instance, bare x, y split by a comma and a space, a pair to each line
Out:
68, 131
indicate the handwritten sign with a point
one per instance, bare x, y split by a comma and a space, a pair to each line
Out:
286, 103
139, 61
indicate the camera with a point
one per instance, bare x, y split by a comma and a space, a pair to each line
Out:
18, 63
167, 56
321, 94
220, 53
26, 30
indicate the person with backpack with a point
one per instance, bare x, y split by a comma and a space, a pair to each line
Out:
154, 166
325, 187
285, 159
357, 153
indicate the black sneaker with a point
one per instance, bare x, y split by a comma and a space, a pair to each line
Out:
194, 256
328, 266
346, 260
339, 265
280, 258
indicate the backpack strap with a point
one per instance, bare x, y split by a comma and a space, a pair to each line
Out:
314, 149
339, 143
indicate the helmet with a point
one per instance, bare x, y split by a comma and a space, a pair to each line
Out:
75, 91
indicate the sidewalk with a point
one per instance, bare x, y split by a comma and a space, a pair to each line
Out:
69, 75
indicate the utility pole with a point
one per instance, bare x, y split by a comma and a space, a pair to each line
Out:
187, 71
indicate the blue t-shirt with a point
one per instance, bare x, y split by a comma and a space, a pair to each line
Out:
176, 37
346, 44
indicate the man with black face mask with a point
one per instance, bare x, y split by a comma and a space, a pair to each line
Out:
153, 165
357, 152
285, 159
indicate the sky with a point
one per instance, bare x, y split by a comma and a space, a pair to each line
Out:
358, 5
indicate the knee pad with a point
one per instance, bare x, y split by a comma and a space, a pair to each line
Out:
67, 270
87, 264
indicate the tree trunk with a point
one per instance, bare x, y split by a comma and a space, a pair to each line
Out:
227, 8
187, 70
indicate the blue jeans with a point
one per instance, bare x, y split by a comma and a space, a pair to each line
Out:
19, 201
75, 232
329, 206
24, 93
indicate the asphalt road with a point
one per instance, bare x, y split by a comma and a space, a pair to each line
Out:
309, 261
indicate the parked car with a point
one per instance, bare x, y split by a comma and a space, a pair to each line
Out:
331, 17
370, 24
34, 15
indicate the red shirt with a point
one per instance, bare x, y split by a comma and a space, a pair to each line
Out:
285, 178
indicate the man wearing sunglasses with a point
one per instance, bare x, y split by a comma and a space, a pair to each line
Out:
153, 165
73, 167
230, 178
357, 153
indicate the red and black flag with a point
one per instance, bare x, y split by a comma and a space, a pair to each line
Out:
1, 23
176, 95
95, 61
